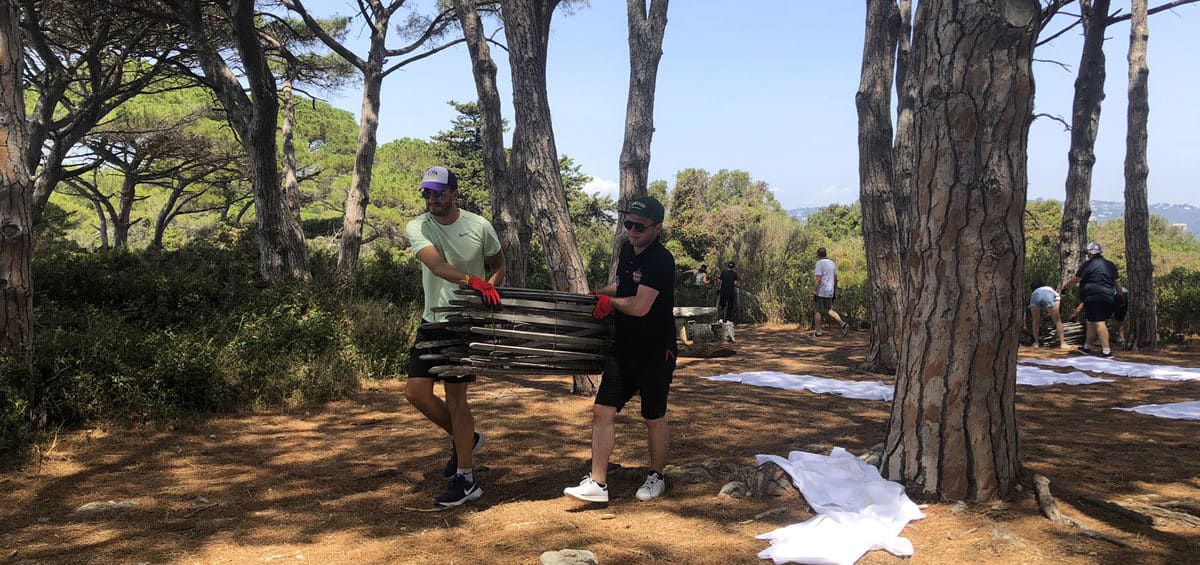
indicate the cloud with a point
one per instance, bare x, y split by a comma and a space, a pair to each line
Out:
603, 187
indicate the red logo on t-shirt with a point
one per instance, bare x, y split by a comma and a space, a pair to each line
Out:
637, 276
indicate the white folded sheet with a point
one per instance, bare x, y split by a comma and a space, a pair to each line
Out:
1033, 376
862, 390
1175, 410
857, 511
1121, 368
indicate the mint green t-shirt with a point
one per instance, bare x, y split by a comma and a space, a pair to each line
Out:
464, 244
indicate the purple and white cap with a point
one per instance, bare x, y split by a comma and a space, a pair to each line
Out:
1093, 248
439, 179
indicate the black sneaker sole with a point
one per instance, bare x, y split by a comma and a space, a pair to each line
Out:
470, 495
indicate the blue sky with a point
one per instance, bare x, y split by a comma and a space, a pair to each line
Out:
771, 91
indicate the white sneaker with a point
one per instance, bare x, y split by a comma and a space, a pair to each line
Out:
589, 491
652, 488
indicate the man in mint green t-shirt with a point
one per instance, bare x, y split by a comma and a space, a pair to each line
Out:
456, 248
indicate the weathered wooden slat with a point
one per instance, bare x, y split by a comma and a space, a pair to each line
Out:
555, 322
534, 351
530, 304
439, 343
557, 339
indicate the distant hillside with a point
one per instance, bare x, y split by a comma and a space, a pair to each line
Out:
1102, 210
803, 213
1185, 214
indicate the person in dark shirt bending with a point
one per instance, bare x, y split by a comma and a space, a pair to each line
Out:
1099, 290
643, 300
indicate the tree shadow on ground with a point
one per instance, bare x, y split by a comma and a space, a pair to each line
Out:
354, 480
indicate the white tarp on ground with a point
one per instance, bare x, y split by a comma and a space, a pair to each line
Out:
862, 390
1175, 410
857, 511
1033, 376
876, 390
1122, 368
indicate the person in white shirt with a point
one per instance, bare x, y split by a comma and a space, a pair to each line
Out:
823, 293
1045, 299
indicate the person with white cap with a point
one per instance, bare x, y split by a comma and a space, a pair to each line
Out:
456, 248
1099, 289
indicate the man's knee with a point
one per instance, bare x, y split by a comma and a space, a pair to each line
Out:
603, 414
656, 423
418, 390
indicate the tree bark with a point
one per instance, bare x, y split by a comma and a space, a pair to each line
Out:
358, 195
291, 184
16, 209
903, 153
646, 32
281, 247
121, 221
534, 159
510, 206
1085, 123
1143, 315
953, 430
876, 182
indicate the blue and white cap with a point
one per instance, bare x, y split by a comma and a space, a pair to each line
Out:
439, 179
1093, 248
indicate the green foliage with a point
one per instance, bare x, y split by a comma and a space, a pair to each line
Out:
135, 337
1178, 294
837, 221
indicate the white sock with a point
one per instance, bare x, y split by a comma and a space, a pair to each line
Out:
1106, 351
467, 474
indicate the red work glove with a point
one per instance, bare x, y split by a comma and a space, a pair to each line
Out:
603, 308
490, 296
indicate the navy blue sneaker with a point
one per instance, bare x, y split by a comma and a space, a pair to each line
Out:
452, 464
460, 491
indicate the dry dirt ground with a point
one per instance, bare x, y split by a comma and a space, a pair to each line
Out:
353, 481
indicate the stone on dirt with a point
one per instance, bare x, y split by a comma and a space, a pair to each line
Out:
569, 557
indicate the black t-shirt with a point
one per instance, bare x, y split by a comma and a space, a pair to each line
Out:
728, 276
1097, 280
649, 336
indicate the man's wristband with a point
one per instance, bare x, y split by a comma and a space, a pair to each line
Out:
466, 280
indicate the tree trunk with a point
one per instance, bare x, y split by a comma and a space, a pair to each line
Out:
1085, 123
534, 155
645, 51
102, 226
1143, 315
876, 182
358, 195
167, 211
280, 241
281, 247
121, 222
16, 210
510, 206
534, 160
953, 430
291, 185
903, 157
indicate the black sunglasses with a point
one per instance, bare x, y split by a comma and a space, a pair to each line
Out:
432, 194
632, 225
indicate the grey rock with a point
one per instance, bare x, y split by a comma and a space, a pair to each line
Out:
102, 506
569, 557
733, 488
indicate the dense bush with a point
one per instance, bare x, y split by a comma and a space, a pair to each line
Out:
134, 337
1178, 294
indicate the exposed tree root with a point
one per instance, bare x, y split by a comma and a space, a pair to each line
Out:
1159, 511
1049, 508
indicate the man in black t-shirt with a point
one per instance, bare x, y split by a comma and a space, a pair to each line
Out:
1099, 290
727, 302
643, 300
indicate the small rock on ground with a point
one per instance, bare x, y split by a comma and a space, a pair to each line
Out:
569, 557
101, 506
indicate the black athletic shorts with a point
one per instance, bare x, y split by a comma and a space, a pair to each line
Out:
651, 378
420, 369
1098, 310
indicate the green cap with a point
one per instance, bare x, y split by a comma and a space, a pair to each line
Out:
647, 207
